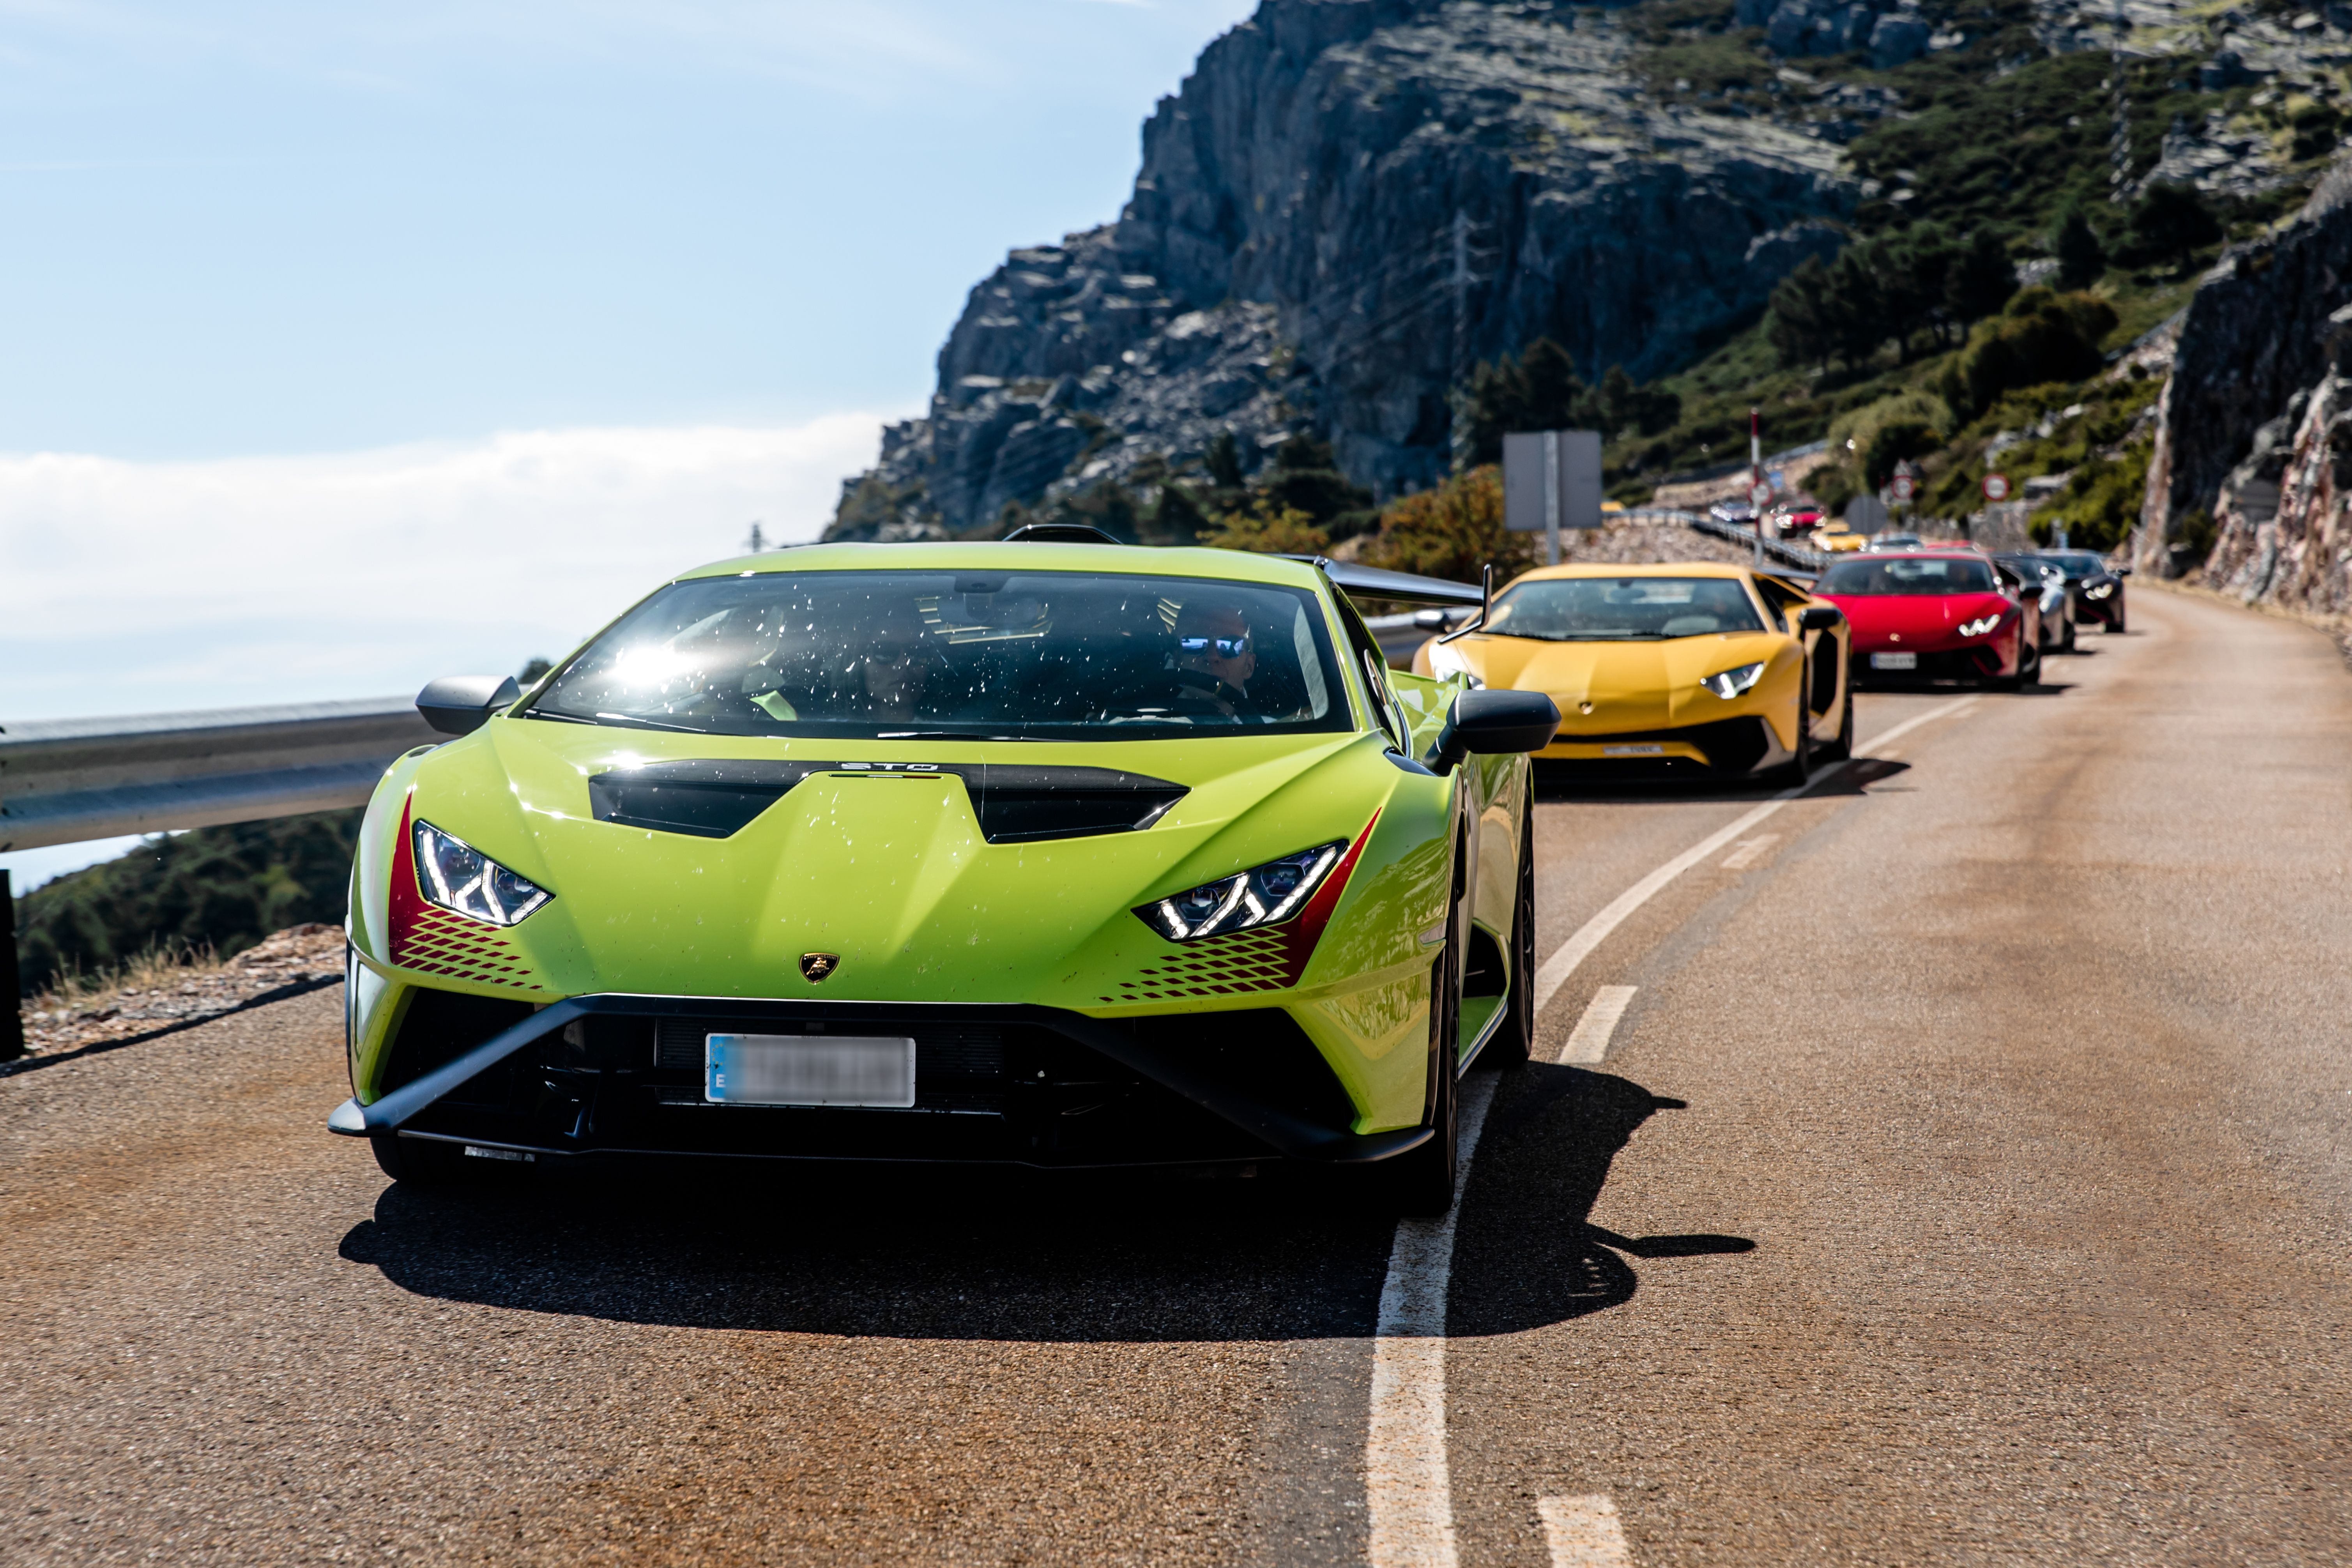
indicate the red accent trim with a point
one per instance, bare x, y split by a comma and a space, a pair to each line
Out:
406, 905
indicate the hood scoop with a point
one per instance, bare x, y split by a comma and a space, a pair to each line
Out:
711, 798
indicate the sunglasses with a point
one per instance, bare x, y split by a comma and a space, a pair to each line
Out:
1224, 647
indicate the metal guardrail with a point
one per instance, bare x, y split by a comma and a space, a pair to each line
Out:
1794, 556
64, 780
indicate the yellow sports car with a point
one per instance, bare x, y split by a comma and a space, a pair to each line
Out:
1694, 667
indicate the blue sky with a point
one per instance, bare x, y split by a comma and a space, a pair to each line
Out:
246, 229
350, 344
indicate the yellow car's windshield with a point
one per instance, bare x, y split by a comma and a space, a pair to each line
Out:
1618, 609
1008, 655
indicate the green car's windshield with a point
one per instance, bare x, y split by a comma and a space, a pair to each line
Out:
1612, 609
1017, 654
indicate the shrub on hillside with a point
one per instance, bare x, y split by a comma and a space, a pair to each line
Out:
1270, 528
1452, 532
219, 888
2043, 336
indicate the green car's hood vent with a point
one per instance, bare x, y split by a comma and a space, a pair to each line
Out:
1016, 805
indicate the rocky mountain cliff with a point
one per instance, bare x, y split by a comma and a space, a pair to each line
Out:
1347, 205
2252, 465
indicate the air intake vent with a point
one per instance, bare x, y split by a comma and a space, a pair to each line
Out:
1020, 805
1015, 805
706, 798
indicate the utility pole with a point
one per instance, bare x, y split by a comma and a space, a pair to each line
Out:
1755, 485
2119, 142
1458, 282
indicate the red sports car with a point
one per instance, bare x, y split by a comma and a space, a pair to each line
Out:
1932, 615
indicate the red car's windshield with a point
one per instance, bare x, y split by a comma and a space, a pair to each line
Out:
1890, 574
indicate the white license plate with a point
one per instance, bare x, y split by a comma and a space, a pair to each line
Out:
1632, 751
1895, 661
808, 1070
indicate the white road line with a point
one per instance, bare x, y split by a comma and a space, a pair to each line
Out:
1590, 1042
1875, 746
1584, 1532
1751, 850
1408, 1487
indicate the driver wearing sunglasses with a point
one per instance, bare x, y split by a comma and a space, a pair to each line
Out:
1212, 649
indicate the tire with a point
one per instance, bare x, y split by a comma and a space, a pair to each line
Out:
2068, 646
415, 1161
1418, 1185
2116, 625
1799, 767
1514, 1042
2029, 674
1842, 749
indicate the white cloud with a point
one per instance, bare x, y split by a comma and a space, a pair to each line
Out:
144, 587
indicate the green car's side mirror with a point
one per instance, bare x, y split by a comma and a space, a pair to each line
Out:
461, 704
1491, 723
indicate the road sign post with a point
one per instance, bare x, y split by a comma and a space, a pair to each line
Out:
12, 1004
1551, 481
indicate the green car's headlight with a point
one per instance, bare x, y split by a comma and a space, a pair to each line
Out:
465, 882
1263, 896
1730, 683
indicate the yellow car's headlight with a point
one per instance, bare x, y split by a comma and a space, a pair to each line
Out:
1730, 683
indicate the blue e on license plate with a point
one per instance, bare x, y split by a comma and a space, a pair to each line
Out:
809, 1069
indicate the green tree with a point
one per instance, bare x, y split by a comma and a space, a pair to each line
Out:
1857, 308
1305, 478
2170, 222
1982, 278
1537, 390
1801, 332
1223, 460
1617, 406
2082, 260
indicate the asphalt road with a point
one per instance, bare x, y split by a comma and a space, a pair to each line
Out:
1966, 1180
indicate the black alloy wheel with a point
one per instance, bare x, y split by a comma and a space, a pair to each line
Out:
1515, 1040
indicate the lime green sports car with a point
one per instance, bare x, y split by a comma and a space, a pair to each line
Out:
1060, 854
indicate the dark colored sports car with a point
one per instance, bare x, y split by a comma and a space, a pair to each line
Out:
2039, 576
2098, 588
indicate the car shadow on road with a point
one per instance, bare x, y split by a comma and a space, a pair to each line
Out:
1526, 1251
964, 1254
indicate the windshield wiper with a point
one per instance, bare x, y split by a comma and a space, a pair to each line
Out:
654, 723
946, 735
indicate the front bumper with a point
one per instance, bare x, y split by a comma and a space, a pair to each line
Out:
620, 1075
1973, 661
1725, 748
